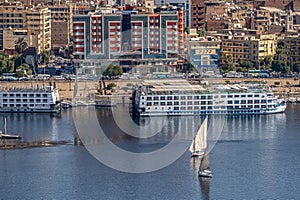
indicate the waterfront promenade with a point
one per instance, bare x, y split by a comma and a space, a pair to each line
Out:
283, 86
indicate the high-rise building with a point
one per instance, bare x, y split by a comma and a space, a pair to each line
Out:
130, 38
61, 25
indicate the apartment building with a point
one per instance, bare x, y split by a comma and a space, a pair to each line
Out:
292, 48
129, 38
244, 47
34, 21
61, 25
197, 14
204, 53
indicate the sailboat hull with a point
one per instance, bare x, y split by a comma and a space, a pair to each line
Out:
8, 136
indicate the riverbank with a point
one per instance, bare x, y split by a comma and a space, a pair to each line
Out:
286, 87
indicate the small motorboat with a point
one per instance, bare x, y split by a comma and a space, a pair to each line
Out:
205, 173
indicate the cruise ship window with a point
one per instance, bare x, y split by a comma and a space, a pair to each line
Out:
24, 105
24, 95
45, 95
223, 96
11, 105
11, 100
256, 101
257, 95
155, 103
176, 97
169, 98
236, 102
176, 103
243, 96
182, 97
155, 98
18, 95
4, 105
203, 107
250, 101
45, 100
169, 103
203, 97
250, 95
4, 100
4, 95
149, 98
162, 103
243, 101
149, 104
24, 100
190, 103
31, 105
183, 103
203, 103
229, 102
31, 95
11, 95
236, 96
264, 101
162, 98
256, 106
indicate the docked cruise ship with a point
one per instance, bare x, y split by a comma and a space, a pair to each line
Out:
178, 97
42, 100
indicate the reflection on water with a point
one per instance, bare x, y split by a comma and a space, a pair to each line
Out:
40, 126
252, 127
265, 145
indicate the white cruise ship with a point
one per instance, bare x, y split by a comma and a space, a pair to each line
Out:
178, 97
44, 100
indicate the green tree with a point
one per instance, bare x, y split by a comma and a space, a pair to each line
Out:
45, 57
229, 65
201, 32
246, 64
23, 70
280, 66
21, 45
113, 71
296, 67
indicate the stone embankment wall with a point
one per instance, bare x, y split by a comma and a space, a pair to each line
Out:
286, 86
66, 88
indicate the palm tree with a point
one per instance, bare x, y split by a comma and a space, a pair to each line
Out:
21, 45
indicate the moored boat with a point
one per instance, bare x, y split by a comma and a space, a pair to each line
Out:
39, 100
178, 97
7, 136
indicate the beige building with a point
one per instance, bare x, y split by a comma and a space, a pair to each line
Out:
244, 47
61, 25
35, 20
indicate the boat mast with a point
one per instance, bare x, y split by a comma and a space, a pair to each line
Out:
5, 125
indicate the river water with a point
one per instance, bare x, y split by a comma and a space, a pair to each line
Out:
255, 157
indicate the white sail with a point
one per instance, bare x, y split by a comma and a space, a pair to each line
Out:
200, 141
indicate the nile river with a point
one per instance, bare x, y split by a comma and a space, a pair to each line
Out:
256, 157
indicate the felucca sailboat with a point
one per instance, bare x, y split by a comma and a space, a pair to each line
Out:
199, 143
